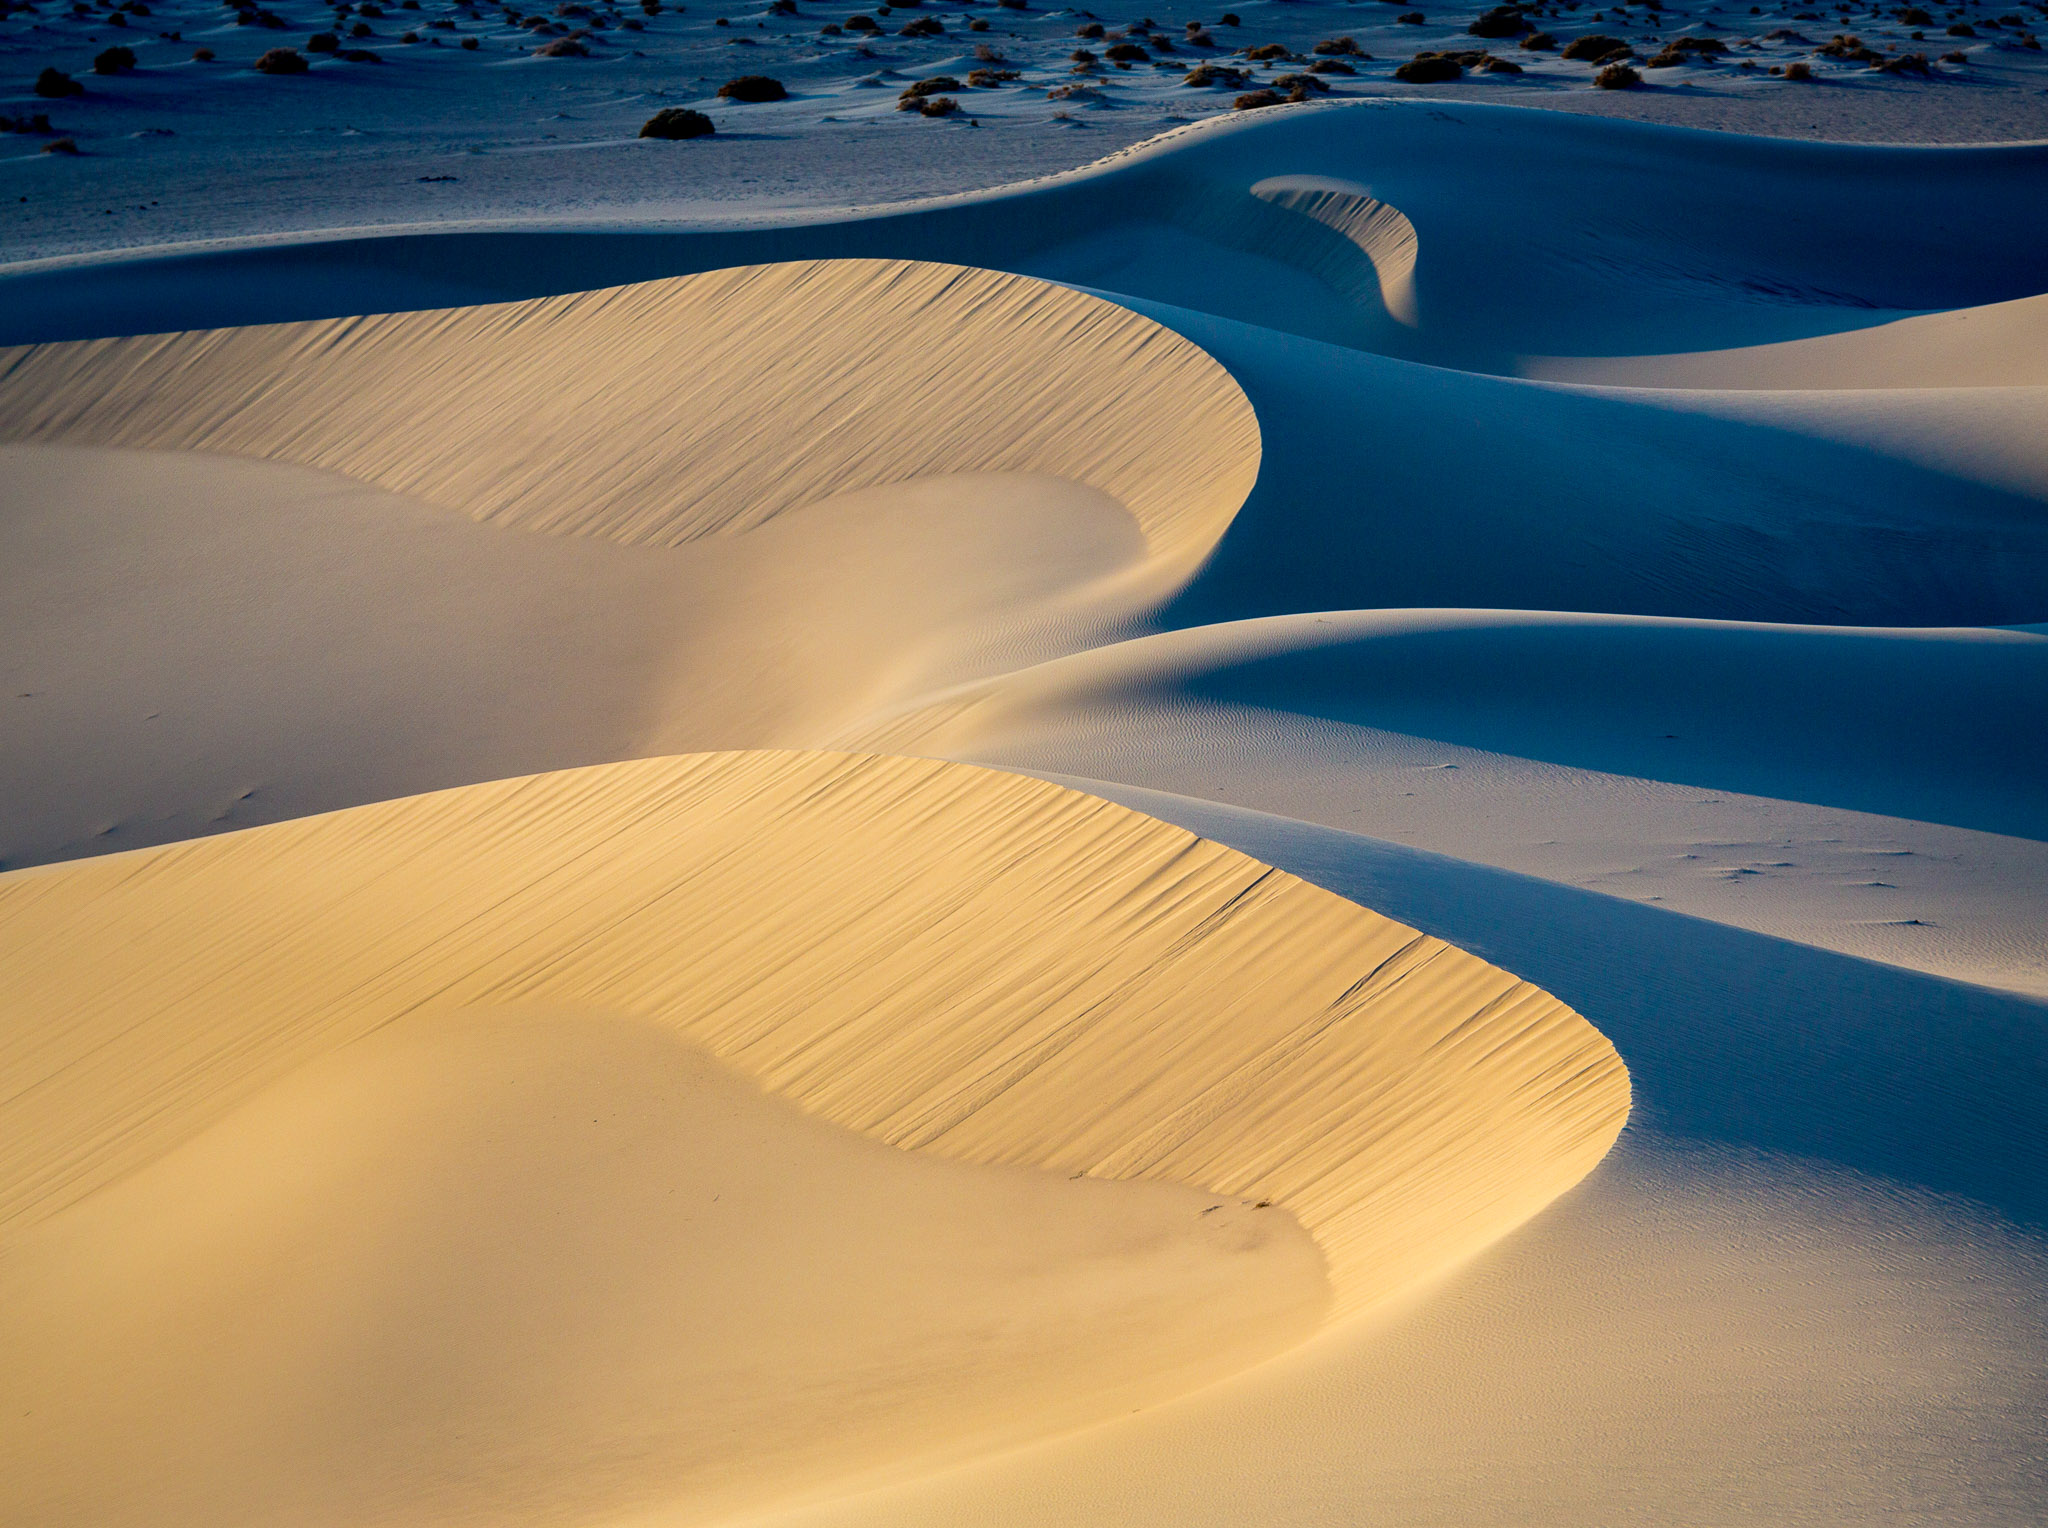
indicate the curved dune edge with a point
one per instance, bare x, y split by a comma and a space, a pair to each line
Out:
671, 410
2002, 344
942, 957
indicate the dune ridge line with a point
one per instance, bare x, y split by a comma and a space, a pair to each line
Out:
669, 410
939, 956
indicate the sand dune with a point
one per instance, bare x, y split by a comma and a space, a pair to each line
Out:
669, 411
1615, 551
1628, 239
1921, 723
975, 966
200, 642
540, 1266
2000, 344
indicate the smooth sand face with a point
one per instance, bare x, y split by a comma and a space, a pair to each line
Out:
198, 643
540, 1266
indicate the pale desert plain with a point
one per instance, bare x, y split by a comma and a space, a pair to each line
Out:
1293, 773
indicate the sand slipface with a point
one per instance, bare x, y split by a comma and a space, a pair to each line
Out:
974, 966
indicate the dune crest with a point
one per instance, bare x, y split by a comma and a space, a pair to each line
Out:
1381, 233
941, 957
701, 405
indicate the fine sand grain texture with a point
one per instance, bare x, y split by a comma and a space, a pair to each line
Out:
977, 967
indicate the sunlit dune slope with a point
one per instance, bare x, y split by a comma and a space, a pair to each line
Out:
554, 1266
941, 957
684, 408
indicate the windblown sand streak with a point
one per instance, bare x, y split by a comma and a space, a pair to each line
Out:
981, 965
670, 410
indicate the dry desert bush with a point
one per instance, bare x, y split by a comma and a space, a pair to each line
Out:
675, 123
1594, 47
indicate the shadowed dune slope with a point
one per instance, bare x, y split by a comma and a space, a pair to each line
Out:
679, 409
941, 957
1372, 224
1932, 725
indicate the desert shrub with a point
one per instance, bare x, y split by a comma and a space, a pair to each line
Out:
323, 42
1306, 83
862, 24
1331, 47
1412, 19
1266, 53
1199, 38
32, 122
1228, 19
1847, 47
922, 26
1127, 53
984, 54
361, 56
113, 60
989, 79
470, 43
202, 55
1962, 29
937, 84
1501, 21
562, 47
1501, 66
676, 123
282, 61
1681, 50
1334, 66
1539, 42
783, 8
1216, 74
978, 24
1077, 91
1429, 69
1617, 77
1906, 63
1594, 45
56, 85
937, 106
752, 90
362, 29
1799, 71
1252, 100
61, 146
1090, 29
1955, 58
1913, 16
1014, 5
1785, 34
